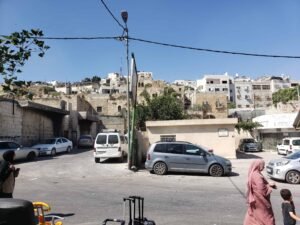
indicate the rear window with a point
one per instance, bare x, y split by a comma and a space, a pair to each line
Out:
160, 148
296, 142
86, 137
113, 139
101, 139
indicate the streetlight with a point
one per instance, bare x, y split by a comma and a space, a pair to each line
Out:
124, 15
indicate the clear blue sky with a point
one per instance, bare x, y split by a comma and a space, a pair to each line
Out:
266, 27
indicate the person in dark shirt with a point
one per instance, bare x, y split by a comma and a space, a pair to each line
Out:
288, 208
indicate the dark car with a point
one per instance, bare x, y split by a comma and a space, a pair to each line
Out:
86, 141
249, 145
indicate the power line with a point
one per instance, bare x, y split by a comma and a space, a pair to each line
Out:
213, 50
121, 38
112, 15
76, 38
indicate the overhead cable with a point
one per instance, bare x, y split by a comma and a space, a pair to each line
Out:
213, 50
112, 15
121, 38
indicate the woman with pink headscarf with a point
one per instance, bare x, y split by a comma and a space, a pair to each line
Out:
260, 210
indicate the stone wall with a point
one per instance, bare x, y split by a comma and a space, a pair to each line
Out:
113, 122
10, 120
35, 127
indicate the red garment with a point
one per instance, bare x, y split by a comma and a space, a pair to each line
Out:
260, 210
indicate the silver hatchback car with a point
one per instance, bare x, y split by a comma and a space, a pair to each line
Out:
286, 168
185, 157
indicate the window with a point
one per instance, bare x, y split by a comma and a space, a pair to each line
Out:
175, 148
101, 139
58, 141
217, 89
3, 145
225, 89
119, 108
224, 81
266, 87
64, 140
179, 89
256, 87
286, 142
99, 109
160, 148
13, 145
113, 139
192, 150
167, 137
239, 106
296, 142
247, 106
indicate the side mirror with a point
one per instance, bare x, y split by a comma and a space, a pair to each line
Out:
203, 154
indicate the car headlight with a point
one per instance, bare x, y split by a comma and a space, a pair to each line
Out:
282, 163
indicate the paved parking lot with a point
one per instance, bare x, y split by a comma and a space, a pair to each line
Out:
86, 193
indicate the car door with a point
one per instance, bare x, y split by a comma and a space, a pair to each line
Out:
173, 157
65, 144
195, 158
59, 145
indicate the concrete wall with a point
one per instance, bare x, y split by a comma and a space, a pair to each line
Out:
216, 134
113, 122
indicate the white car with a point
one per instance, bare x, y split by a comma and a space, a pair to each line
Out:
288, 145
52, 146
20, 151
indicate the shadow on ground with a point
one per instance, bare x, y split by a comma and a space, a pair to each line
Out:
247, 155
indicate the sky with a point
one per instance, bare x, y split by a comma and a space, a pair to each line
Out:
263, 27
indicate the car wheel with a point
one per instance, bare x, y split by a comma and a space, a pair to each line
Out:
293, 177
216, 170
97, 160
31, 156
53, 152
69, 149
160, 168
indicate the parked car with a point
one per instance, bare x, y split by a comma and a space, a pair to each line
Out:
185, 157
52, 146
286, 168
20, 151
288, 145
110, 145
86, 141
249, 145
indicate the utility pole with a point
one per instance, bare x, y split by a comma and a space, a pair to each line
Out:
124, 15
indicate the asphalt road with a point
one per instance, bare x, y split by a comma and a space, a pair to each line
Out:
86, 193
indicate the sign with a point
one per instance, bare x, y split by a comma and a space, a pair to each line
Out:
223, 132
134, 80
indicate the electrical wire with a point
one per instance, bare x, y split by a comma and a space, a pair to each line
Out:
213, 50
122, 38
112, 15
75, 38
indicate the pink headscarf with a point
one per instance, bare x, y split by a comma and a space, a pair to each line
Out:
255, 170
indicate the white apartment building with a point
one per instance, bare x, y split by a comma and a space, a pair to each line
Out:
243, 92
218, 84
188, 83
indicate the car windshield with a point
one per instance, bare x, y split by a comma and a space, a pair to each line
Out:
295, 155
49, 141
101, 139
249, 141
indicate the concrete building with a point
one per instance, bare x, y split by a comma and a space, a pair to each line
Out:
217, 84
274, 128
243, 92
27, 122
216, 134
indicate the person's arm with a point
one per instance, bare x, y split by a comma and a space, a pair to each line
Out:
6, 169
294, 216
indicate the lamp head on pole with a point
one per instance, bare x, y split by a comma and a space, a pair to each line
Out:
124, 15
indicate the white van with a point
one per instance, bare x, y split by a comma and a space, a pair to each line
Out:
110, 145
